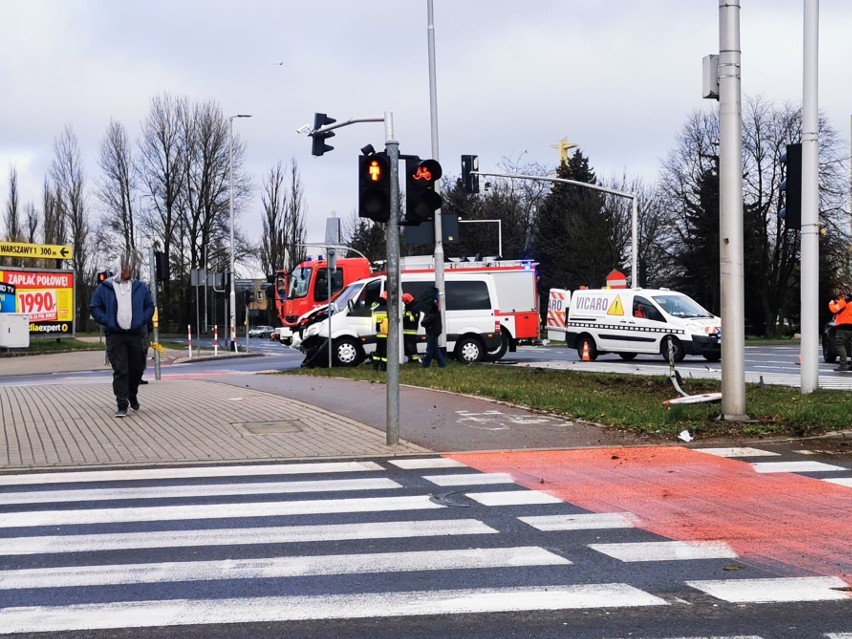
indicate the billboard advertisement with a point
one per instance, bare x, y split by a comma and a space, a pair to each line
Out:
46, 296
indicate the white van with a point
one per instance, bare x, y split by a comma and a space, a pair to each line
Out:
472, 330
631, 322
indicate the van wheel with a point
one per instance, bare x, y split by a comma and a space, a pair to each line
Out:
585, 340
676, 349
627, 357
347, 352
469, 350
499, 352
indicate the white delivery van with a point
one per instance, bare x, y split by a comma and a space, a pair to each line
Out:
631, 322
472, 329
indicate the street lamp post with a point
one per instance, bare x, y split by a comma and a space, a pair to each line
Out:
233, 296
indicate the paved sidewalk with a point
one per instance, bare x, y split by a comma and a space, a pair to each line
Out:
72, 423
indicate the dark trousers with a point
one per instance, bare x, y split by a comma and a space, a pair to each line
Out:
127, 358
842, 339
433, 350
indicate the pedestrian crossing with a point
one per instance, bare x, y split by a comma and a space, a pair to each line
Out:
426, 536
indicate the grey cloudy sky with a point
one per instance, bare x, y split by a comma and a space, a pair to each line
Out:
617, 77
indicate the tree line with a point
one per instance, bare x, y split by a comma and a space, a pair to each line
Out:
169, 188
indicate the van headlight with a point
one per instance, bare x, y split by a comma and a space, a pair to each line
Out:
313, 329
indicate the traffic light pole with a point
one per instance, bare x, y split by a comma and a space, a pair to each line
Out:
634, 212
153, 265
392, 283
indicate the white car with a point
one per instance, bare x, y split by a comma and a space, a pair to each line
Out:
261, 331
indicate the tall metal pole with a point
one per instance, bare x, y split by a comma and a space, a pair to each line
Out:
634, 239
156, 335
232, 297
731, 213
433, 112
810, 203
392, 287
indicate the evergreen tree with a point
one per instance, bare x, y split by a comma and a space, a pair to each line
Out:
574, 235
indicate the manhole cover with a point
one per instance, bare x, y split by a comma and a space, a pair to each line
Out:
273, 428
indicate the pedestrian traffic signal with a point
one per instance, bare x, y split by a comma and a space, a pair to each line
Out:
791, 187
161, 266
374, 187
318, 145
421, 200
469, 174
103, 276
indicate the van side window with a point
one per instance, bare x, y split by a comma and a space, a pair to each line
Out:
365, 301
642, 307
468, 296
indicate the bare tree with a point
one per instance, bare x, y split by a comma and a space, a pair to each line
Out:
67, 173
53, 226
31, 223
118, 186
11, 216
273, 197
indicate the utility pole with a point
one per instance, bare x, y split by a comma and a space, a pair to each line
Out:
731, 213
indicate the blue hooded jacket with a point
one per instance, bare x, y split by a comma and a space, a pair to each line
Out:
104, 307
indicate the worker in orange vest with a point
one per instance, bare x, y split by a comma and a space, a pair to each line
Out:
841, 306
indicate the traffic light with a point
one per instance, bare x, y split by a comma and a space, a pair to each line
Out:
161, 266
469, 182
318, 145
248, 296
374, 187
421, 200
791, 186
103, 276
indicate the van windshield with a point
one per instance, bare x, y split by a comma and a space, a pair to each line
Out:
351, 292
681, 306
299, 281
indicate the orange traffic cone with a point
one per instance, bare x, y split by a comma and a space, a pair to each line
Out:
586, 357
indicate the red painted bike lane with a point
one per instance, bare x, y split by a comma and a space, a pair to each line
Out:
789, 524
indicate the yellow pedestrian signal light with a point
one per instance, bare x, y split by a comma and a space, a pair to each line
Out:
374, 187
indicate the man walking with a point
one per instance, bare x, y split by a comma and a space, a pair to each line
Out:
123, 306
432, 323
842, 309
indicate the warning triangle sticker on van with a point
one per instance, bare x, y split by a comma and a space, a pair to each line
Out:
615, 308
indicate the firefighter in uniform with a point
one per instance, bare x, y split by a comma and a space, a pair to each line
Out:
410, 323
380, 321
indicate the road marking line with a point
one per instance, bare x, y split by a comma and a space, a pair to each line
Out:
795, 467
145, 614
214, 511
666, 550
735, 451
184, 473
774, 590
841, 481
279, 567
470, 479
214, 490
426, 462
590, 521
240, 536
513, 498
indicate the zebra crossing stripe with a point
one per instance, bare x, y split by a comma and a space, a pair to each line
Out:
666, 550
214, 511
737, 451
426, 462
160, 492
514, 498
186, 473
470, 479
841, 481
179, 612
795, 467
587, 521
774, 590
239, 536
278, 567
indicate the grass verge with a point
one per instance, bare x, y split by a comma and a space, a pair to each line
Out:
45, 346
628, 402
